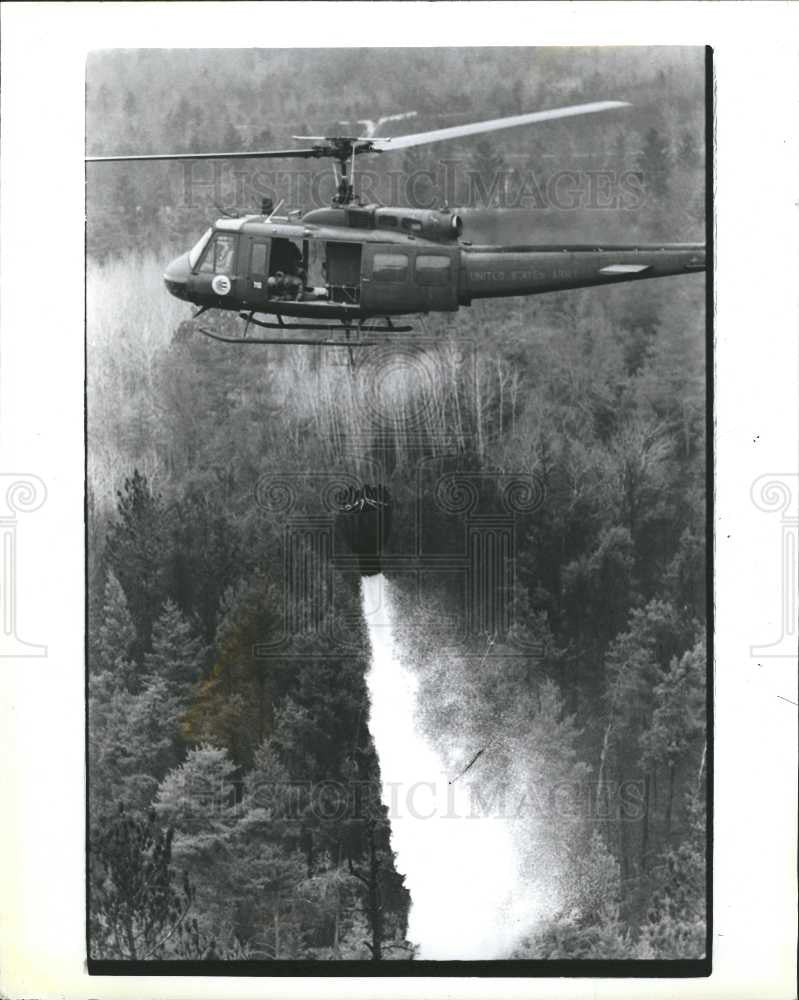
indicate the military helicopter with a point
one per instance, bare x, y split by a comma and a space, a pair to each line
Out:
357, 267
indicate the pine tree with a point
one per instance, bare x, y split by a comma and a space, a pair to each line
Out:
637, 459
634, 666
133, 741
236, 701
599, 588
208, 555
677, 918
269, 864
177, 654
593, 881
116, 636
241, 851
678, 719
198, 800
139, 554
135, 906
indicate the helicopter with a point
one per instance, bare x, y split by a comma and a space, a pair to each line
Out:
355, 268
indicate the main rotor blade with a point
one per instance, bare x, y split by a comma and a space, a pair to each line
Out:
386, 145
256, 155
345, 146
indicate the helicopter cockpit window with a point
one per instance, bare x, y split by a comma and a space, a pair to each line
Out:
199, 246
412, 224
219, 256
390, 267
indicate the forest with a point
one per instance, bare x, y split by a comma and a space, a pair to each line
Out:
234, 794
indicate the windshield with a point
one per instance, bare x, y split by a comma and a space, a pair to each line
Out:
199, 246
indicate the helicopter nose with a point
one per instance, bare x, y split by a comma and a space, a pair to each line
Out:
176, 276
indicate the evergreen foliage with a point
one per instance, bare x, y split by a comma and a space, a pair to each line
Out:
135, 905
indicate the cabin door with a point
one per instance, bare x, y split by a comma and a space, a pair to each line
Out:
400, 278
343, 268
386, 282
256, 271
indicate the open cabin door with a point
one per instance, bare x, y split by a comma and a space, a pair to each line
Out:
343, 267
271, 268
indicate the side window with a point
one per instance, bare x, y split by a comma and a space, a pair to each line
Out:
432, 269
412, 224
390, 267
258, 258
219, 256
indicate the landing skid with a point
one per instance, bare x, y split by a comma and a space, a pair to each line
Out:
283, 340
351, 331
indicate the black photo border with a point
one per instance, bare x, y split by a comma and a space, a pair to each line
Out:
501, 968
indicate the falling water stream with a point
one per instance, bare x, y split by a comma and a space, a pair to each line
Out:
463, 866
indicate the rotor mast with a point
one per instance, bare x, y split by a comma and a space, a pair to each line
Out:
345, 192
344, 150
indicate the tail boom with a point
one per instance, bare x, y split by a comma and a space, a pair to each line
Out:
491, 272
